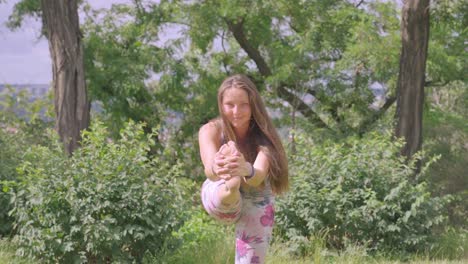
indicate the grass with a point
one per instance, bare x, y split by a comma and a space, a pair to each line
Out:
7, 254
221, 251
206, 242
451, 249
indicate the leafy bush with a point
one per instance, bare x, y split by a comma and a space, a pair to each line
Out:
9, 159
446, 133
20, 126
107, 202
201, 240
361, 192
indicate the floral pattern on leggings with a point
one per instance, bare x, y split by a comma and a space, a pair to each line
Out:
253, 217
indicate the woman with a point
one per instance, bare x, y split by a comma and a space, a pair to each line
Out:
245, 165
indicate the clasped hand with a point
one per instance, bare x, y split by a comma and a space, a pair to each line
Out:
229, 162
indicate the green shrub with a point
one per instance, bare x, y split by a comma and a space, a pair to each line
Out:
17, 133
446, 133
362, 193
201, 240
9, 159
14, 142
108, 202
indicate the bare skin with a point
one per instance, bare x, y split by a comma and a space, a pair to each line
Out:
228, 154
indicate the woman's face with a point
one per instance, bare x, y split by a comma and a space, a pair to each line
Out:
236, 107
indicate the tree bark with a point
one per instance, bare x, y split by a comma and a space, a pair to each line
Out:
410, 86
61, 23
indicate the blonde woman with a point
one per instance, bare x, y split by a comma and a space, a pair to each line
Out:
245, 165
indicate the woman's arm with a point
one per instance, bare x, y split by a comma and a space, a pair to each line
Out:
260, 166
208, 140
244, 169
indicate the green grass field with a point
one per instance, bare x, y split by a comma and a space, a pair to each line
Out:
278, 254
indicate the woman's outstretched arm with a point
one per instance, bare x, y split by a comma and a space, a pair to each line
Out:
208, 137
260, 166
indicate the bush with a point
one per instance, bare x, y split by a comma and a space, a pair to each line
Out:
202, 240
9, 159
108, 202
17, 133
360, 192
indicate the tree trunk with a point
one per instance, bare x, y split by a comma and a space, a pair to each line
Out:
410, 86
61, 23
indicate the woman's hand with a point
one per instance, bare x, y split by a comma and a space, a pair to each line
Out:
218, 166
229, 162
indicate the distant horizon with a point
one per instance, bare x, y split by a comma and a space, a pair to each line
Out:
35, 90
23, 84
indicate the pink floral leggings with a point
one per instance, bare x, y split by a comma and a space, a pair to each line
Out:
253, 216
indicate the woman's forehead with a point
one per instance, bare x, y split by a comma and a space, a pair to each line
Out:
235, 94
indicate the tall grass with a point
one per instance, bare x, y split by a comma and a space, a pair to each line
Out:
7, 254
221, 251
451, 249
203, 241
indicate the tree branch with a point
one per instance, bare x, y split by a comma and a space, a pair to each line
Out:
253, 53
238, 32
366, 125
302, 107
435, 83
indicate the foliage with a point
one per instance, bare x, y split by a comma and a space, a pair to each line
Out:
108, 202
360, 192
309, 49
118, 61
7, 254
452, 99
318, 58
202, 240
22, 9
291, 50
447, 58
452, 244
22, 123
9, 159
324, 54
446, 134
315, 57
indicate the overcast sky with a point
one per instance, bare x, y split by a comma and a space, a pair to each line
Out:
24, 58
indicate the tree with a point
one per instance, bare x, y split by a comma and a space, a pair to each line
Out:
61, 26
330, 51
119, 60
411, 79
301, 55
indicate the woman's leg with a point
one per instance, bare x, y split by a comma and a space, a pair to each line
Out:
230, 194
253, 230
212, 203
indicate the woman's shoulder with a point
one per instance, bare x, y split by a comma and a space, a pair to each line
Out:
212, 127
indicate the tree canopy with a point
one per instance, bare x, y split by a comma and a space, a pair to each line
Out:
321, 62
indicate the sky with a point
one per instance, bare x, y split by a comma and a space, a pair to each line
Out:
24, 57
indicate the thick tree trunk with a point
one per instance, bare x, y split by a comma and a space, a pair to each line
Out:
410, 86
60, 20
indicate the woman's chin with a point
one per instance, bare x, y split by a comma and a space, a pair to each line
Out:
240, 125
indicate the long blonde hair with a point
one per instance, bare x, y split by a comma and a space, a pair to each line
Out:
262, 135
